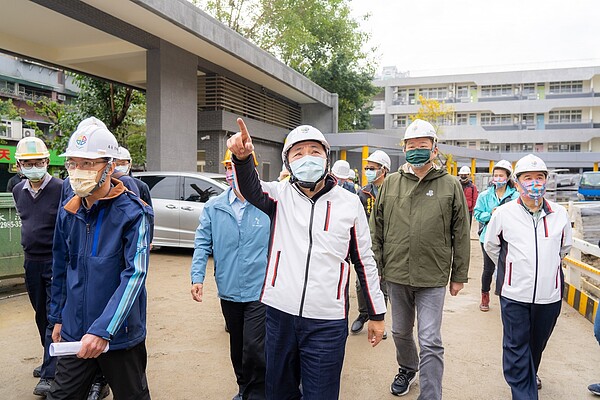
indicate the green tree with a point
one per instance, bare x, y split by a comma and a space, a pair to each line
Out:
318, 38
63, 118
9, 111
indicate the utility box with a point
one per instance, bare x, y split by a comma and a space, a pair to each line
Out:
11, 251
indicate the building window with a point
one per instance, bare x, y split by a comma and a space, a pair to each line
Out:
461, 143
462, 92
399, 121
400, 96
564, 147
7, 87
528, 119
528, 88
564, 117
484, 145
462, 119
496, 90
566, 87
437, 93
489, 119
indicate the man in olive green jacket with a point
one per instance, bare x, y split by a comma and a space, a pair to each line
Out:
420, 230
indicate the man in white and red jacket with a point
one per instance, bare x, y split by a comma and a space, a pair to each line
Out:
317, 228
527, 240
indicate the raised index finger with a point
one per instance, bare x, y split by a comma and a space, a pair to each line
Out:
244, 131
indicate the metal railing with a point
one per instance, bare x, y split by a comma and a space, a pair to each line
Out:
221, 93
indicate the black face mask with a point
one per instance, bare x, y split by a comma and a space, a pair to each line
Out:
464, 180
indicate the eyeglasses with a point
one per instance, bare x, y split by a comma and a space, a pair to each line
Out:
31, 164
371, 169
85, 165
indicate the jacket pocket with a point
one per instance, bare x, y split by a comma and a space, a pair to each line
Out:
340, 281
275, 268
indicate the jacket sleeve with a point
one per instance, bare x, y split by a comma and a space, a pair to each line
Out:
257, 194
460, 230
60, 260
491, 244
480, 212
202, 246
475, 195
567, 239
364, 265
133, 278
376, 224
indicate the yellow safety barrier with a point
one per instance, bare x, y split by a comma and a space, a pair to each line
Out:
580, 301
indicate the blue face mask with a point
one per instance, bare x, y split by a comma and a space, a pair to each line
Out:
230, 178
308, 168
418, 157
534, 189
34, 174
371, 175
499, 182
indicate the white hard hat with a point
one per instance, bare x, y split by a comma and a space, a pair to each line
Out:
302, 134
341, 169
418, 129
352, 175
464, 170
504, 165
381, 158
123, 154
31, 148
530, 163
92, 139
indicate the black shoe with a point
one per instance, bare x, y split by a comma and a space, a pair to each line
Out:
43, 387
384, 335
402, 382
99, 390
358, 324
237, 397
538, 382
37, 371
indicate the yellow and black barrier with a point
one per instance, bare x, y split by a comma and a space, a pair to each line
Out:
586, 305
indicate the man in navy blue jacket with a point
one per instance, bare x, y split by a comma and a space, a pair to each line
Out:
37, 198
99, 272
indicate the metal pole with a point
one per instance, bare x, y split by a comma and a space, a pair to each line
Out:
365, 155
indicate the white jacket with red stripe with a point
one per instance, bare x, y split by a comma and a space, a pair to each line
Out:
527, 252
312, 242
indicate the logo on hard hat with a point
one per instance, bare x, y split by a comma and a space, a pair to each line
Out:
304, 129
534, 163
81, 141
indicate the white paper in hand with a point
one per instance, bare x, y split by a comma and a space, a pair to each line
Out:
67, 349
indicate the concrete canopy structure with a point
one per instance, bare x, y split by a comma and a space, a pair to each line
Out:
174, 51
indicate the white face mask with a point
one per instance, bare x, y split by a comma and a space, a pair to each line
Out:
83, 182
308, 168
122, 168
34, 174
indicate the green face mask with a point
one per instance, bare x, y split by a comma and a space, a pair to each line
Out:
418, 157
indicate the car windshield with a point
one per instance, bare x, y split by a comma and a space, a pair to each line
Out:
590, 179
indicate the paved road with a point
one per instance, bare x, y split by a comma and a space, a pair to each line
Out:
188, 348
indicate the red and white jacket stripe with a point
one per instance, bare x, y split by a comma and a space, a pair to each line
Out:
312, 242
528, 252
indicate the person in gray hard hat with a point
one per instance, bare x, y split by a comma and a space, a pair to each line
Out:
377, 168
527, 240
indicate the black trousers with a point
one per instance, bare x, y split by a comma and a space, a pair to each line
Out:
527, 328
38, 280
246, 324
125, 371
488, 272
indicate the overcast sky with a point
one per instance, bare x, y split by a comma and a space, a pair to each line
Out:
433, 37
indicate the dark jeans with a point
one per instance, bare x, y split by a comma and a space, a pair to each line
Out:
125, 371
38, 280
488, 272
304, 351
246, 324
363, 312
527, 328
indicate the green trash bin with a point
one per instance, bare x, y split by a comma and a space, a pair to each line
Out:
11, 251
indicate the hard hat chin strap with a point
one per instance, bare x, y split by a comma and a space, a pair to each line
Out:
102, 177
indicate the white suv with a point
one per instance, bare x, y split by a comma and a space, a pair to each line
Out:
178, 200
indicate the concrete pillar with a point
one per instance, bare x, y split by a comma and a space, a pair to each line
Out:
595, 167
172, 108
473, 168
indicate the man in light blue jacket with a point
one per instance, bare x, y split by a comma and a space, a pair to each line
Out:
237, 235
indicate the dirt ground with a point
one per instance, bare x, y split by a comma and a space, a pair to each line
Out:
188, 347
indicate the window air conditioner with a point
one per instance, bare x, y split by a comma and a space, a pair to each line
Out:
28, 132
61, 97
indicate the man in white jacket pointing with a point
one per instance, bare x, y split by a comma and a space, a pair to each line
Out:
317, 228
